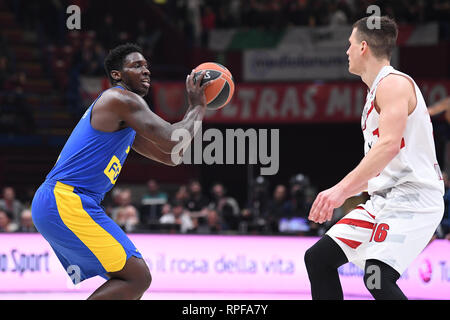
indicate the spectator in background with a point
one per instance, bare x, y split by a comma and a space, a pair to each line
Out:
213, 222
179, 216
182, 195
9, 203
16, 82
208, 21
112, 201
253, 216
107, 33
153, 191
224, 19
197, 200
296, 12
128, 218
338, 15
5, 221
302, 197
5, 69
278, 207
166, 208
152, 202
15, 116
99, 56
91, 58
26, 222
147, 38
441, 131
225, 207
122, 198
234, 14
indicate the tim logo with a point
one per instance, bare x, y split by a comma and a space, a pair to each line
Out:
426, 271
112, 170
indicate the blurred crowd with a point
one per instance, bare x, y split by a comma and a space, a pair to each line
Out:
70, 54
191, 209
14, 112
282, 13
280, 210
278, 14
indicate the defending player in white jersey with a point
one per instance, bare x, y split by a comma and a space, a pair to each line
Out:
399, 170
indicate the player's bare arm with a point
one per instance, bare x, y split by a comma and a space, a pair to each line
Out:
148, 149
123, 108
395, 100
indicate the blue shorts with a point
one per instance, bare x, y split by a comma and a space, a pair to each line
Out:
83, 237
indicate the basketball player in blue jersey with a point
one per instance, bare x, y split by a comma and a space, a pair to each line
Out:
66, 208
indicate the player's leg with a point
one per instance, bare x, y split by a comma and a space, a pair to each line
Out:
129, 275
381, 281
100, 247
342, 243
130, 283
322, 261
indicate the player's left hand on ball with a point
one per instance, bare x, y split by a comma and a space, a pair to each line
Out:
324, 205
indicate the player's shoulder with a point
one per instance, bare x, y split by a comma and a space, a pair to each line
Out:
117, 93
118, 96
395, 83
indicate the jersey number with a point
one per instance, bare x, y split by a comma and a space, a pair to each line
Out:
379, 232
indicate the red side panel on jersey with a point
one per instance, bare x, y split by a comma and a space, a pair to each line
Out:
351, 243
356, 223
362, 208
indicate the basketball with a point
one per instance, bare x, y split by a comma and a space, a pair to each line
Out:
220, 92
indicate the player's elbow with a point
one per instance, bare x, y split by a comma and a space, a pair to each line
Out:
171, 163
392, 147
173, 160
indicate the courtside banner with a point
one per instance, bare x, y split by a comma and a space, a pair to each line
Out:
296, 64
284, 102
203, 263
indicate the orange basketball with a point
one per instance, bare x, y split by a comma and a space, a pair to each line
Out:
220, 92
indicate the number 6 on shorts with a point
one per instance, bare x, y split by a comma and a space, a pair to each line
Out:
379, 232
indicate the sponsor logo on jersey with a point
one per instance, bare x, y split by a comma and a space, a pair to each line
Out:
113, 169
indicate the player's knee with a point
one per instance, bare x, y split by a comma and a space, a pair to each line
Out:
311, 259
315, 256
138, 275
145, 278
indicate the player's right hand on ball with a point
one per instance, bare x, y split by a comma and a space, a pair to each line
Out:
195, 91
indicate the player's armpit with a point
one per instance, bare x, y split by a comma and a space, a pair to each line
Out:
148, 149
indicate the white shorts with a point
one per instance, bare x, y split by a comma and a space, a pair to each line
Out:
393, 229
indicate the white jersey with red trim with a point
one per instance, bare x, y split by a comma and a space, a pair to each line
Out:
415, 166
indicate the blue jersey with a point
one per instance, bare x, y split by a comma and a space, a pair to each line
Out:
91, 160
